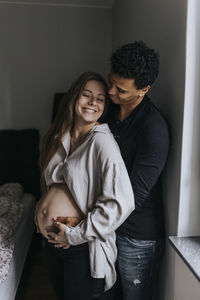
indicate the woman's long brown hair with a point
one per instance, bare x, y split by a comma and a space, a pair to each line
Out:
64, 120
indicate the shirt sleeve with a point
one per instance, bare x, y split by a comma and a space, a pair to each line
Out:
111, 208
150, 159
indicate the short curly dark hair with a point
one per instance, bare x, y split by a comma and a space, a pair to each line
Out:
136, 61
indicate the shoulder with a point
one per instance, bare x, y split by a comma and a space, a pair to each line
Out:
154, 120
102, 133
104, 143
153, 134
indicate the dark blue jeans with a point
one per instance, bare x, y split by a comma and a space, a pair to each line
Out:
138, 265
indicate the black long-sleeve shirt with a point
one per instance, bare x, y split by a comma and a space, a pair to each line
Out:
143, 139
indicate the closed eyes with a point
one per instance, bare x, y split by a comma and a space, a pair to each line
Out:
90, 96
120, 90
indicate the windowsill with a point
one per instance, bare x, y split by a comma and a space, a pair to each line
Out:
189, 249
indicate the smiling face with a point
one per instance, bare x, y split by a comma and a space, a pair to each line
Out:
123, 91
91, 103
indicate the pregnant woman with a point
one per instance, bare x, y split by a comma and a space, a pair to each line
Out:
87, 188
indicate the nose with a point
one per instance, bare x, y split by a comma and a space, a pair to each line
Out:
111, 90
92, 100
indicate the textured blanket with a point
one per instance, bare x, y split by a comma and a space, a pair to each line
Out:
11, 211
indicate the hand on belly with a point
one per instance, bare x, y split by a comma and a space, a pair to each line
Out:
71, 221
59, 204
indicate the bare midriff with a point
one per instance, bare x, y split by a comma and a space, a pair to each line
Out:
57, 203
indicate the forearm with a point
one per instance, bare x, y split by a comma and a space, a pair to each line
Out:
101, 222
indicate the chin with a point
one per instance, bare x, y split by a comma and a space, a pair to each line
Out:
115, 101
91, 120
88, 121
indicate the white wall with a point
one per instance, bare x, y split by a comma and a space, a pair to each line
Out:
189, 208
163, 26
42, 49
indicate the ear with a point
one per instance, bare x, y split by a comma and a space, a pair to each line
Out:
144, 91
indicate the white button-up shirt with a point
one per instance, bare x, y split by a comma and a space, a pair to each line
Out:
98, 180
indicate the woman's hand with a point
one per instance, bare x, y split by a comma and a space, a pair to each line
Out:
57, 238
71, 221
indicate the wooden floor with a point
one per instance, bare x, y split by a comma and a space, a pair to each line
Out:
35, 283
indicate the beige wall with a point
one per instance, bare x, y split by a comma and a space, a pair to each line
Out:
186, 285
43, 48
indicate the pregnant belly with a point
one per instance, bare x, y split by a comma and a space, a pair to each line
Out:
57, 203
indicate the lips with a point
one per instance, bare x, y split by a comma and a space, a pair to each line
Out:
113, 98
89, 110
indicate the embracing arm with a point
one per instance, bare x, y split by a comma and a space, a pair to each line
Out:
110, 210
150, 159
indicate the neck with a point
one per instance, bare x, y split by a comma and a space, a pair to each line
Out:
78, 135
126, 109
79, 130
